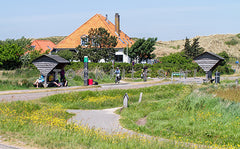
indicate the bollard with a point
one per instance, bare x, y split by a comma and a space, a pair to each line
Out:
125, 100
140, 98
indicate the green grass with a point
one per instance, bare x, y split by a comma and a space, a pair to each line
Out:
18, 79
112, 98
176, 48
177, 112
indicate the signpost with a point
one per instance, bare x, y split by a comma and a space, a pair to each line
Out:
132, 69
85, 70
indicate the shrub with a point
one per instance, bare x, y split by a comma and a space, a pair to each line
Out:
231, 42
238, 35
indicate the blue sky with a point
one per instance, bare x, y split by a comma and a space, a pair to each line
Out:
164, 19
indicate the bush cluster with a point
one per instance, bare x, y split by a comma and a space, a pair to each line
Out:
173, 63
231, 42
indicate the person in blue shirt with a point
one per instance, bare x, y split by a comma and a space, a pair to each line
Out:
40, 80
118, 76
117, 71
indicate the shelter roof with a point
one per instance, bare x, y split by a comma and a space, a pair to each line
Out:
56, 58
46, 63
208, 61
210, 53
74, 39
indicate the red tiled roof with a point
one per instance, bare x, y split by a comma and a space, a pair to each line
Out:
74, 39
43, 45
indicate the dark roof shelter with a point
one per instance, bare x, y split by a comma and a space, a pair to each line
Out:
47, 63
208, 61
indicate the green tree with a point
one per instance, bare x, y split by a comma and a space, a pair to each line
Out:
23, 42
10, 56
12, 52
100, 45
225, 56
28, 57
192, 50
94, 54
66, 54
224, 67
177, 61
142, 49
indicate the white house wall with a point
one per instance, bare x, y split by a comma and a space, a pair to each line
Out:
126, 59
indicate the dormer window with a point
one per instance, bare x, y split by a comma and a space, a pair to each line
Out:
33, 47
84, 40
121, 40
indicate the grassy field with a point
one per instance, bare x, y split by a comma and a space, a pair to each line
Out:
43, 123
180, 113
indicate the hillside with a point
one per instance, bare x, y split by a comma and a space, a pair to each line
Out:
213, 43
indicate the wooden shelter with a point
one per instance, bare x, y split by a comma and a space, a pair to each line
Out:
49, 63
208, 61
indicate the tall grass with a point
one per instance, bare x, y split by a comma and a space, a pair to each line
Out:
232, 94
18, 79
198, 118
15, 84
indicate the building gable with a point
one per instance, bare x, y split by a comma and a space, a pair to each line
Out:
97, 21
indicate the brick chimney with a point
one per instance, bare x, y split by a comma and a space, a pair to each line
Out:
117, 23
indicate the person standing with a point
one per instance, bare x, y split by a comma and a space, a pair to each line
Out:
62, 75
144, 71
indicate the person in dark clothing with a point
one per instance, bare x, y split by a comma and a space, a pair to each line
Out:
62, 75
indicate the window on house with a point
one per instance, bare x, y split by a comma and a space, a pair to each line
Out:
84, 40
129, 41
119, 58
125, 41
94, 43
121, 40
33, 47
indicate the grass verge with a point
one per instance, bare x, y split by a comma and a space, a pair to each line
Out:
198, 118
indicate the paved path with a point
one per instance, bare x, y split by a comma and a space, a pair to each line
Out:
3, 146
105, 119
16, 95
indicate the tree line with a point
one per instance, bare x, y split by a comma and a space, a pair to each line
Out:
99, 44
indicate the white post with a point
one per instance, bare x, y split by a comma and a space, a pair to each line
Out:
140, 98
125, 101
